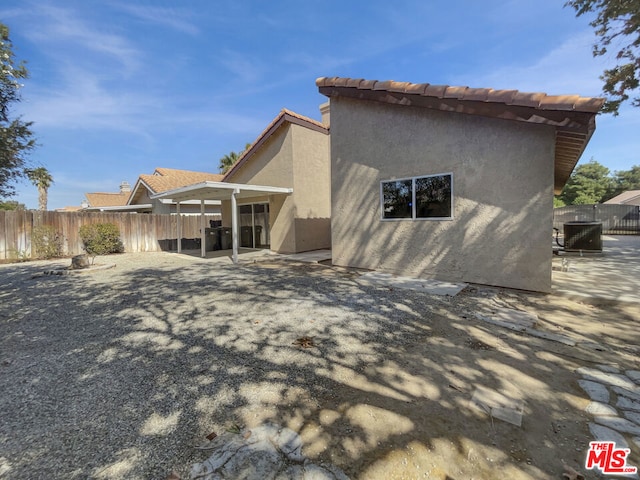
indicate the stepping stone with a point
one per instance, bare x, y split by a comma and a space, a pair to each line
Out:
605, 434
619, 424
627, 393
599, 408
612, 379
432, 287
633, 416
596, 391
628, 404
498, 406
261, 453
633, 375
608, 368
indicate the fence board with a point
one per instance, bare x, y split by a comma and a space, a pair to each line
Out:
138, 232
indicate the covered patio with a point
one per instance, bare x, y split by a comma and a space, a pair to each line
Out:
218, 191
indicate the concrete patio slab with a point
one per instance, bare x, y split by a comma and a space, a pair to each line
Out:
315, 256
432, 287
610, 276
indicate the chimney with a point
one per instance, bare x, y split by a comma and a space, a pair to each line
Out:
125, 187
324, 111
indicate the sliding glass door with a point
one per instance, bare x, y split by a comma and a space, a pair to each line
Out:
253, 221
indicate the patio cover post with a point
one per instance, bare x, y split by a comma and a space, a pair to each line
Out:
234, 224
179, 227
203, 233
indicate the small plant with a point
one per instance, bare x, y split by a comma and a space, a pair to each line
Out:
46, 241
101, 239
18, 255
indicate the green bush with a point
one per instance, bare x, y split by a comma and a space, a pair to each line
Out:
46, 242
101, 239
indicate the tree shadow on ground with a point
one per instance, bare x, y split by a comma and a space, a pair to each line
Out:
120, 374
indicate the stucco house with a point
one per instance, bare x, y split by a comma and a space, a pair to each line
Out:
630, 197
139, 198
276, 195
292, 152
450, 182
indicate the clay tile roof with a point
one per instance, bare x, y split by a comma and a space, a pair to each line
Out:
165, 179
477, 94
455, 92
97, 199
558, 102
285, 115
367, 84
434, 91
572, 116
354, 82
508, 97
398, 86
524, 99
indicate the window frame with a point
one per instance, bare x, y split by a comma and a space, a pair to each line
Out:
413, 199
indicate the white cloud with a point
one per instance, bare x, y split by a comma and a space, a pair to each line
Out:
167, 17
568, 69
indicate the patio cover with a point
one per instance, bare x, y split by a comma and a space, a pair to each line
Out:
218, 191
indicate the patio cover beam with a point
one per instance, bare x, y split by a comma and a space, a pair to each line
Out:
220, 191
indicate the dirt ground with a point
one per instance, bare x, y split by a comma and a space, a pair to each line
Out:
383, 393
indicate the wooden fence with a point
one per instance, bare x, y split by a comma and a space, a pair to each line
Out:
138, 232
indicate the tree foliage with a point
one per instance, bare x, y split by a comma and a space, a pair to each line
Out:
627, 180
230, 159
12, 205
16, 137
589, 183
617, 26
47, 241
101, 239
42, 179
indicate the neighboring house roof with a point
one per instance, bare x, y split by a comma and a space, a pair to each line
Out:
572, 116
70, 208
285, 116
107, 199
630, 197
165, 179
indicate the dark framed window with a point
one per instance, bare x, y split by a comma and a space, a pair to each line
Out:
429, 197
397, 199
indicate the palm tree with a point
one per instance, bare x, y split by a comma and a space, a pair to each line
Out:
230, 159
227, 161
42, 179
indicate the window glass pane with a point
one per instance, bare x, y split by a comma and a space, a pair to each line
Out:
433, 197
396, 199
244, 209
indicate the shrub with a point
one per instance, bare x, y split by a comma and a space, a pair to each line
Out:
46, 241
101, 239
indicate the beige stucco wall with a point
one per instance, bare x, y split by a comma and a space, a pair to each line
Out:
311, 189
502, 194
293, 157
271, 166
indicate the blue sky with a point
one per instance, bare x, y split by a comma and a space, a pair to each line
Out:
121, 87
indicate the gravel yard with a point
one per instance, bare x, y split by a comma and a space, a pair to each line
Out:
120, 373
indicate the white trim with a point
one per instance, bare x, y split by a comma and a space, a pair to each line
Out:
122, 208
227, 188
413, 216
